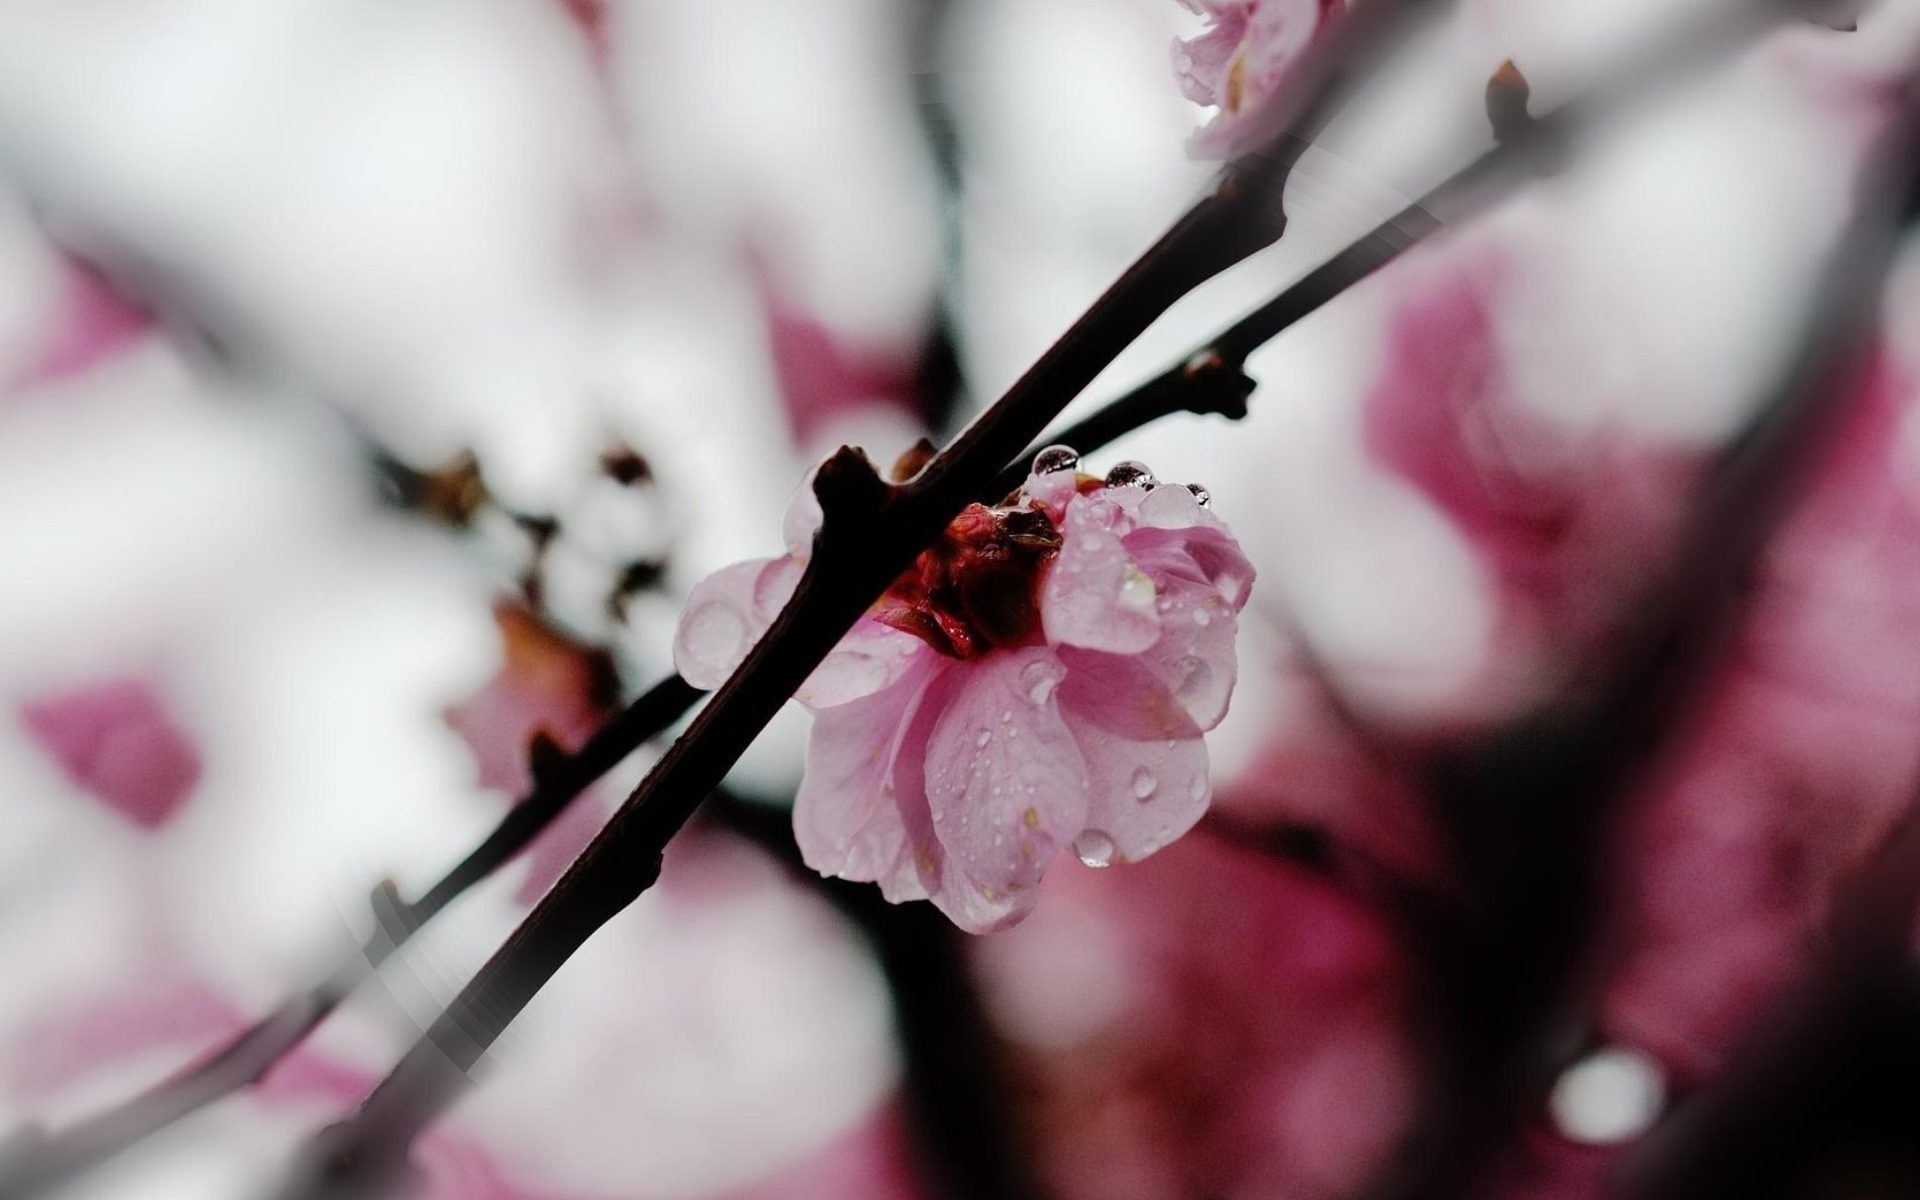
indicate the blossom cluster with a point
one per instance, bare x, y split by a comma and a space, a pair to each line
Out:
1038, 679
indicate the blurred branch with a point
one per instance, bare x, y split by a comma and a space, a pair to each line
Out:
955, 1086
41, 1162
1528, 813
1820, 1100
871, 532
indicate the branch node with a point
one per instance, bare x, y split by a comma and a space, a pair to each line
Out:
849, 488
1216, 387
1507, 96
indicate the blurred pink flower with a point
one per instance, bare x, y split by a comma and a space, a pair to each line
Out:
547, 686
1239, 63
1039, 678
1213, 1023
1565, 521
94, 322
1803, 760
117, 741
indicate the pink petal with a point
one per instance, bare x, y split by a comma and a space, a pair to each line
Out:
1124, 695
1194, 660
846, 816
117, 741
96, 321
802, 520
546, 684
822, 374
725, 615
871, 658
1094, 596
1006, 785
1141, 795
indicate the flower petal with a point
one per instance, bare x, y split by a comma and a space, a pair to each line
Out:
725, 615
1006, 786
846, 816
872, 657
803, 519
1095, 596
1194, 659
1142, 794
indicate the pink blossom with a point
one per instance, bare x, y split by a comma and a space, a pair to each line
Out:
93, 322
118, 742
1038, 679
1244, 58
547, 686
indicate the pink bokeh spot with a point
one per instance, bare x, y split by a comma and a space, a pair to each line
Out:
80, 1035
1039, 680
94, 322
1236, 1029
117, 741
822, 375
1569, 525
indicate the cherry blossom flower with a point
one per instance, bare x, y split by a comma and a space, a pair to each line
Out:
1244, 58
1041, 677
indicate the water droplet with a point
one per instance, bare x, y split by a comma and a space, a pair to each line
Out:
1200, 494
1055, 458
715, 634
982, 738
1094, 848
1130, 474
1195, 675
1202, 618
1136, 590
1143, 783
1197, 789
1039, 678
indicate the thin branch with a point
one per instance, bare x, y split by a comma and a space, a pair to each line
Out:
43, 1161
1211, 379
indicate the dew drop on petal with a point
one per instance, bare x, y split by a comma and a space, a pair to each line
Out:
1201, 495
1130, 474
983, 737
714, 634
1197, 789
1144, 784
1094, 848
1201, 617
1055, 458
1137, 590
1195, 675
1038, 679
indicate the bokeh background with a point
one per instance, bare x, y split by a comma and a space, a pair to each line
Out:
375, 379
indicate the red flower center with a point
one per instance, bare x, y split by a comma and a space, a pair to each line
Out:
977, 588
